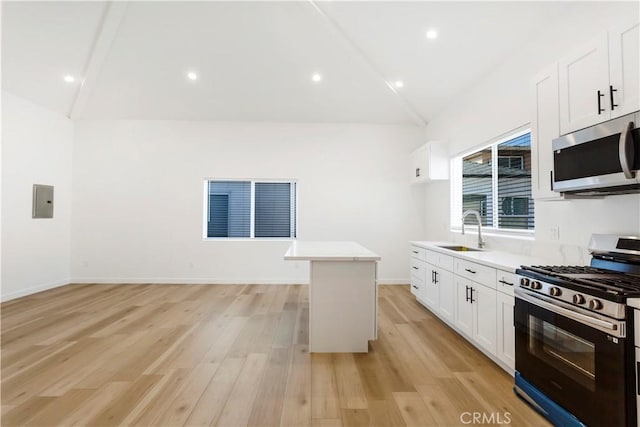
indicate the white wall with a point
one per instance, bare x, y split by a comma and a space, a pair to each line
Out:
138, 197
502, 102
36, 149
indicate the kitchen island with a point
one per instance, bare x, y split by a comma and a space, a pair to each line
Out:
342, 295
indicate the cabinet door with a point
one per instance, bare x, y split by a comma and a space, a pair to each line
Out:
419, 166
429, 162
506, 330
484, 317
545, 126
463, 308
623, 96
447, 289
431, 290
584, 80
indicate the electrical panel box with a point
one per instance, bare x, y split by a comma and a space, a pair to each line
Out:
42, 201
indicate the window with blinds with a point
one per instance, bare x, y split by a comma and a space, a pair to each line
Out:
496, 181
251, 209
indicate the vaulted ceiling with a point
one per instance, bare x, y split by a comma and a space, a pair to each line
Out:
254, 61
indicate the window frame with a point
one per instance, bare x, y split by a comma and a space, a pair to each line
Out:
455, 214
251, 238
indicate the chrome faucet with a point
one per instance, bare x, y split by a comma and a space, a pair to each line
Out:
477, 215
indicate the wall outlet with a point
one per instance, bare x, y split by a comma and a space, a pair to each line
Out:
554, 233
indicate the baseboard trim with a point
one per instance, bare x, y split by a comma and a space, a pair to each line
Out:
33, 290
209, 281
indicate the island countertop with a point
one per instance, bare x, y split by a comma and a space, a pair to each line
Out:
329, 251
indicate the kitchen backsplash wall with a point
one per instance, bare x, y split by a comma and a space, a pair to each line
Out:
500, 103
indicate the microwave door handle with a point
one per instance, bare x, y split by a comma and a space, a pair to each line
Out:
626, 151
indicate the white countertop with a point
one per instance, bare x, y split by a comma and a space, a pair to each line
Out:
329, 251
501, 260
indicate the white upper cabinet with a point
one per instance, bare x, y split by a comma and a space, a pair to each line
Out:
429, 162
624, 69
584, 85
600, 80
545, 126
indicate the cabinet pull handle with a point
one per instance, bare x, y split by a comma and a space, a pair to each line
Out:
414, 287
600, 109
435, 277
505, 283
417, 172
467, 293
551, 180
470, 271
415, 252
416, 268
432, 276
472, 300
611, 90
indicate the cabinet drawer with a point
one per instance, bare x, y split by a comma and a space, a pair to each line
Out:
417, 287
505, 281
440, 260
417, 252
418, 269
476, 272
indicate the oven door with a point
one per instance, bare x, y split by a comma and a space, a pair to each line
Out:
578, 365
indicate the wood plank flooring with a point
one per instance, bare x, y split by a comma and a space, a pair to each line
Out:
237, 355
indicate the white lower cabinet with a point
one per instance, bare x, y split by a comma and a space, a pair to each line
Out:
506, 345
431, 289
483, 300
447, 294
476, 312
464, 309
475, 299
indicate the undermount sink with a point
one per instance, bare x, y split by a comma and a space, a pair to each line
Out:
460, 248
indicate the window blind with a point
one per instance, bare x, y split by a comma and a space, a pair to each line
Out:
273, 213
248, 209
515, 200
477, 193
501, 172
229, 209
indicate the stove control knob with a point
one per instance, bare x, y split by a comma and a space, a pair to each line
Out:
555, 292
595, 304
524, 282
536, 285
578, 299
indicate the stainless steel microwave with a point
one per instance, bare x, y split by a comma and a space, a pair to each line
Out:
602, 159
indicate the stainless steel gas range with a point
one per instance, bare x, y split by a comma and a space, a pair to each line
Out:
575, 352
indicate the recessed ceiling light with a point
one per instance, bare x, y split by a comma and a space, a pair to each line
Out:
432, 34
69, 78
316, 78
399, 84
192, 76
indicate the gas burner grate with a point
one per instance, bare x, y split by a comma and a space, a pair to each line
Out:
568, 269
593, 278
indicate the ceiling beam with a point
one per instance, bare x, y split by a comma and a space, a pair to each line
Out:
106, 34
409, 108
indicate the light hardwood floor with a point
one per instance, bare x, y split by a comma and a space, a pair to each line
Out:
173, 355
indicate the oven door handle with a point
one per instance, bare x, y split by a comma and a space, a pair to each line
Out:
557, 307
